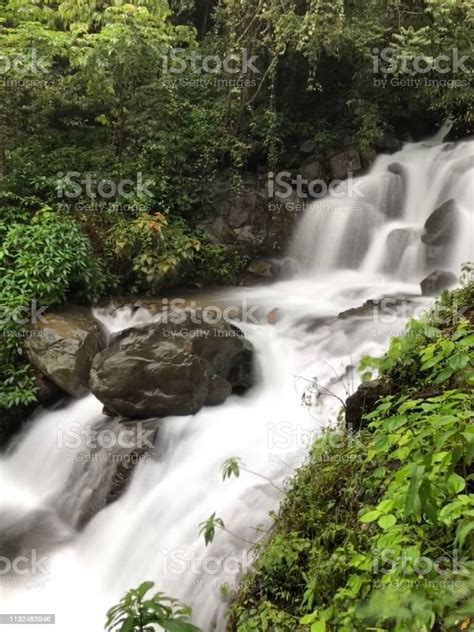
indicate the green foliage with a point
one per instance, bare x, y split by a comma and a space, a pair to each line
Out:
376, 532
209, 526
136, 613
441, 336
41, 263
230, 468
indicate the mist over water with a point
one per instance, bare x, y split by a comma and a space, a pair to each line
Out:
346, 256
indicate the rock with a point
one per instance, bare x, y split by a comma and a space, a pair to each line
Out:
374, 307
248, 236
219, 390
48, 392
397, 242
437, 281
218, 230
261, 268
172, 368
344, 163
258, 271
254, 218
103, 467
388, 143
397, 169
239, 216
311, 169
366, 309
442, 225
34, 532
308, 148
363, 401
273, 316
64, 346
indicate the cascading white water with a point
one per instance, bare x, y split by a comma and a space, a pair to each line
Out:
401, 191
151, 532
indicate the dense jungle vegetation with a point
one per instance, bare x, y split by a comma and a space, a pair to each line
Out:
377, 529
165, 96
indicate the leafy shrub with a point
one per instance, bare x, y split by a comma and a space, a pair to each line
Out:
377, 530
135, 613
41, 262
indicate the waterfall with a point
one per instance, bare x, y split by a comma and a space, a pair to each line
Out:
350, 249
377, 226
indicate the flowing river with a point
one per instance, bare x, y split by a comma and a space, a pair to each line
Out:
364, 244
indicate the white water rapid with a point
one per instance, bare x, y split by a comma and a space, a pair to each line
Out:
348, 254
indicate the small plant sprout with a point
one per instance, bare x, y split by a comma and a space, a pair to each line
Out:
231, 467
208, 528
138, 613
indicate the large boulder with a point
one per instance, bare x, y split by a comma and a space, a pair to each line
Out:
363, 401
344, 163
258, 271
173, 368
247, 217
442, 225
311, 169
103, 466
437, 281
63, 346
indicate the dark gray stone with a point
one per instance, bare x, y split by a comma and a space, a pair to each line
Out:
437, 281
344, 163
442, 225
168, 369
363, 401
64, 346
